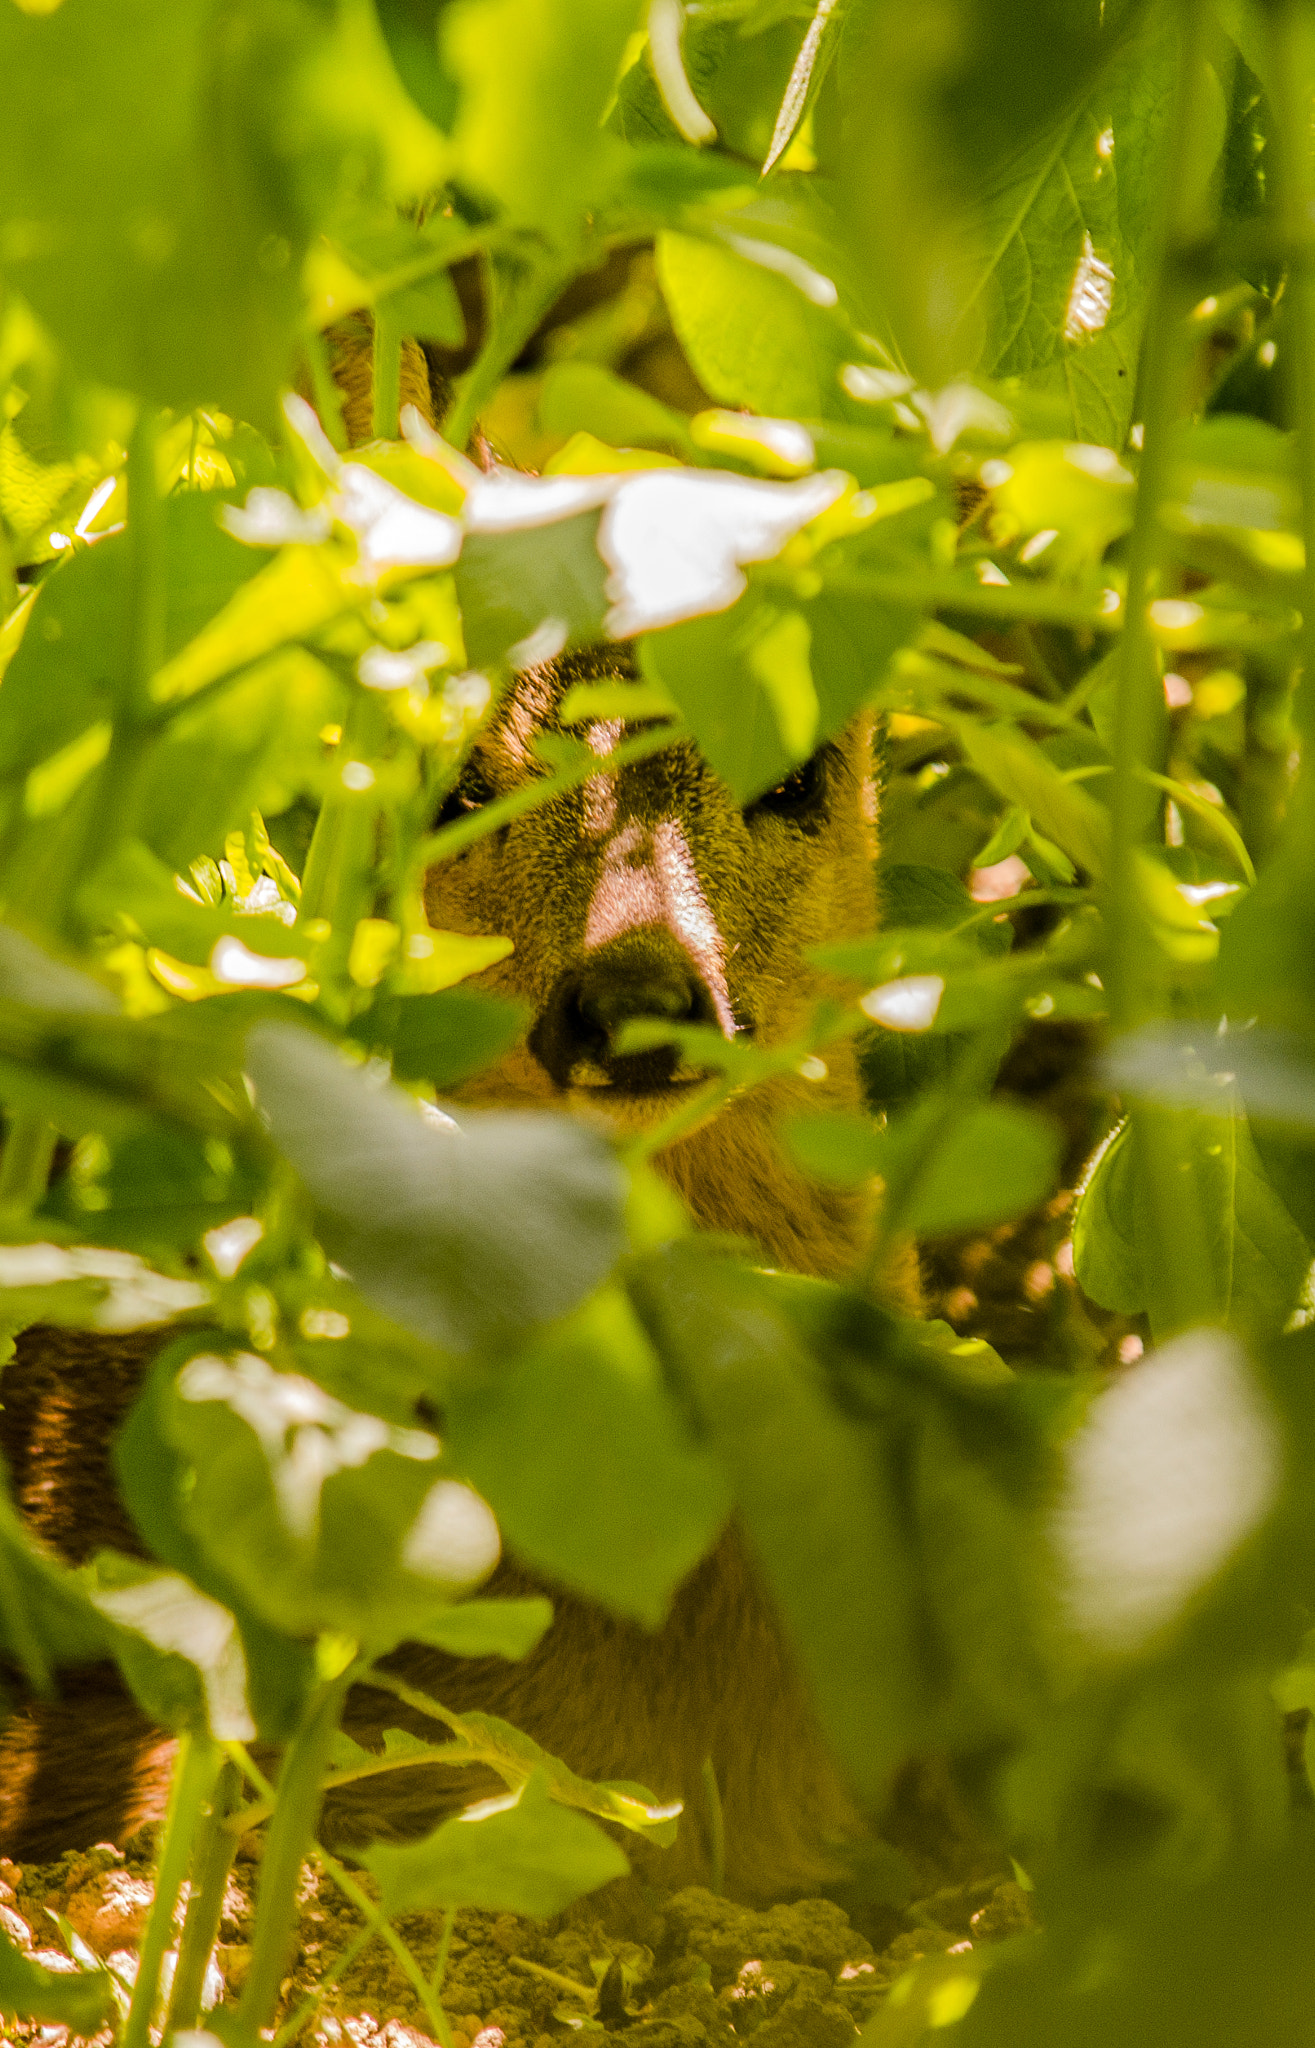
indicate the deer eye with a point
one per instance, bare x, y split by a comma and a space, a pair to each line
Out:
470, 792
796, 797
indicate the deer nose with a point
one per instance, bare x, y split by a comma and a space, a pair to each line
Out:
610, 996
635, 976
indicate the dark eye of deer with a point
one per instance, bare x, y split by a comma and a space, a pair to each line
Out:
797, 797
470, 792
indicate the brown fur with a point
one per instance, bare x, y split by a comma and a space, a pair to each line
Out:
652, 873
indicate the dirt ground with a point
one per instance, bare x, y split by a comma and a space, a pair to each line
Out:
684, 1970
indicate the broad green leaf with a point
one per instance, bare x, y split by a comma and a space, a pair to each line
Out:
521, 1854
585, 1414
1253, 1261
824, 1524
441, 1038
68, 671
80, 2000
946, 1167
751, 334
324, 1518
1023, 775
162, 239
585, 398
535, 85
465, 1234
509, 585
489, 1628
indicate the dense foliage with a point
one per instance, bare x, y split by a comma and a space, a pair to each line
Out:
1005, 315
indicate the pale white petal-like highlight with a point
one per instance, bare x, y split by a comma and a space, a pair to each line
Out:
1175, 614
236, 964
1003, 879
305, 424
271, 519
174, 1616
228, 1243
138, 1296
876, 387
674, 540
1094, 460
387, 668
504, 501
909, 1004
392, 531
1179, 1462
1090, 296
454, 1538
816, 288
665, 19
545, 643
786, 440
958, 407
305, 1433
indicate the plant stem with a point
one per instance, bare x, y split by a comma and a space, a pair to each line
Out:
25, 1162
211, 1862
1139, 719
387, 374
380, 1923
291, 1835
338, 1969
716, 1830
464, 832
1292, 62
440, 1960
146, 568
328, 398
508, 336
193, 1780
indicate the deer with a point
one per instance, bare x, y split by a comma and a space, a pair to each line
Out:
647, 892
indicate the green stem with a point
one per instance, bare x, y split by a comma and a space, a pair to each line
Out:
1139, 720
328, 398
1290, 38
341, 1965
25, 1163
291, 1837
508, 335
381, 1925
440, 1961
1037, 601
387, 374
716, 1830
193, 1780
211, 1862
463, 832
146, 566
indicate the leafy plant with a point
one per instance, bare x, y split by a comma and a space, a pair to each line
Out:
1005, 317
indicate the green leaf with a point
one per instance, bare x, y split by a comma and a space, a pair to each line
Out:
584, 1414
945, 1170
825, 1527
1252, 1265
751, 335
441, 1038
1024, 776
80, 2000
489, 1628
585, 398
67, 673
162, 239
523, 1854
535, 85
465, 1235
510, 584
324, 1518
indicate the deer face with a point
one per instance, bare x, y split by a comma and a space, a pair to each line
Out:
649, 893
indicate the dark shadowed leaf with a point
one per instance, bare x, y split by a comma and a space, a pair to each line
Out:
464, 1233
522, 1854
